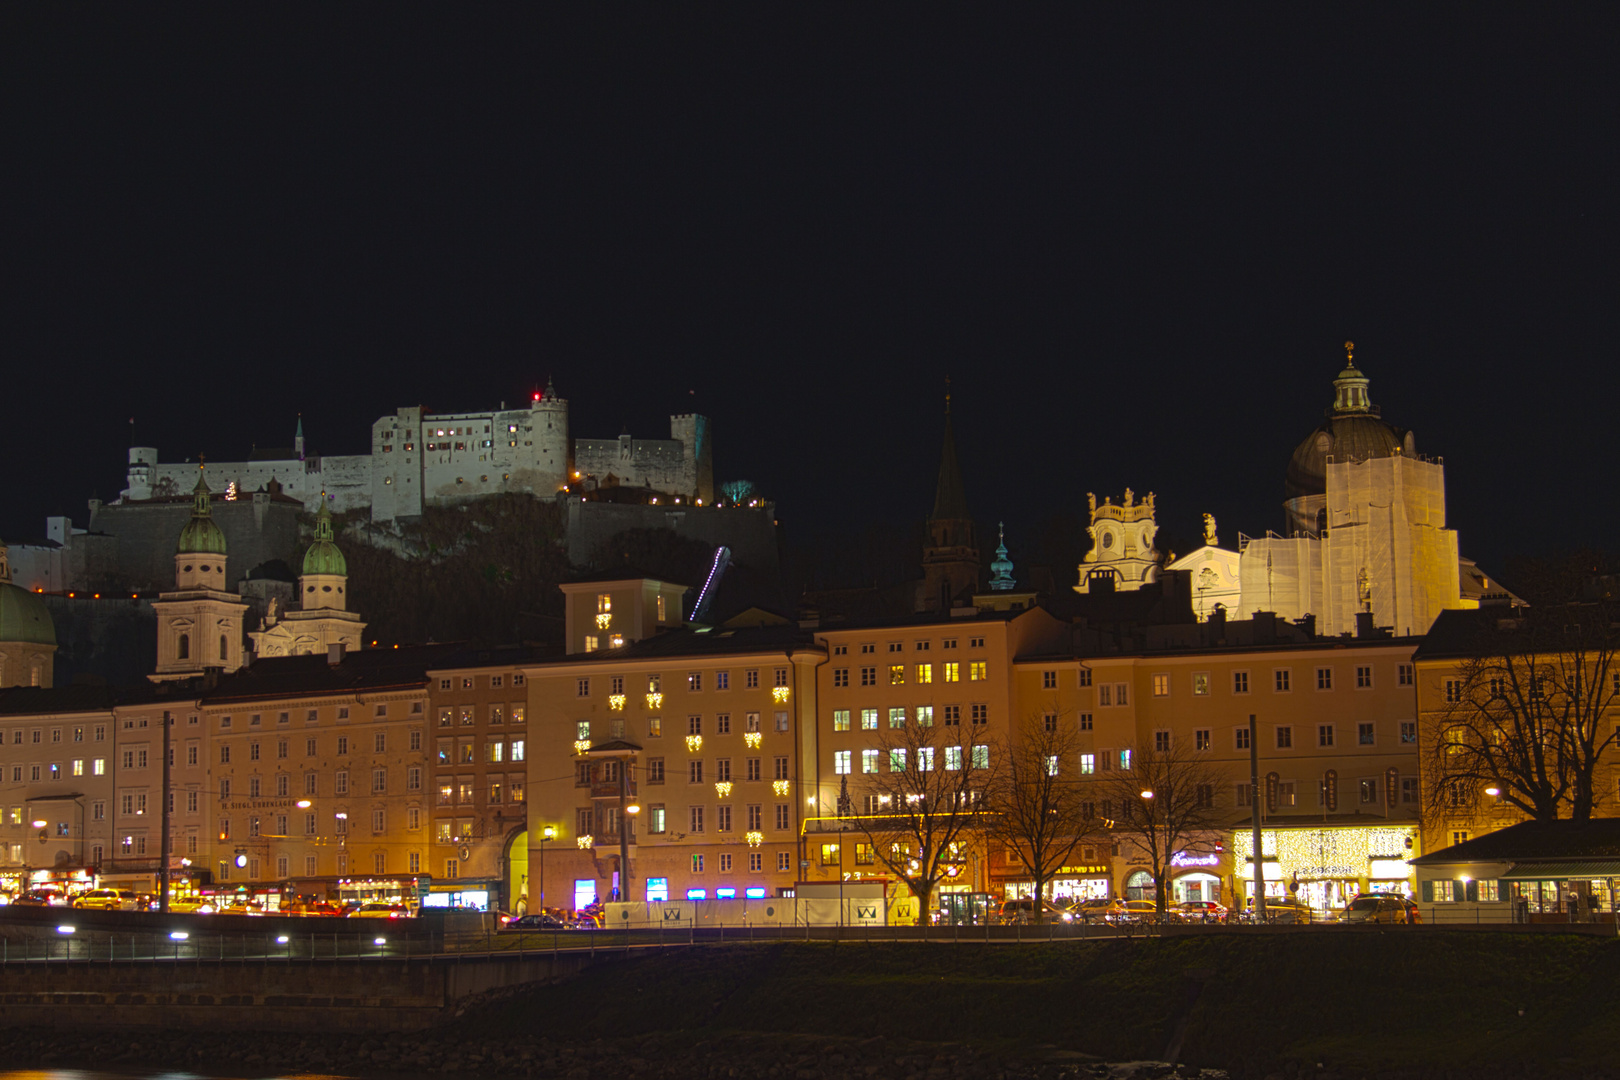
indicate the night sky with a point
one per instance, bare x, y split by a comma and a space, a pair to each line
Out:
1134, 247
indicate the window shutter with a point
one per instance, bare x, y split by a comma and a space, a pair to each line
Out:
1428, 892
1473, 892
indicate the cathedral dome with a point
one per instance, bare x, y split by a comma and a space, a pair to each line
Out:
24, 618
323, 556
1353, 431
201, 536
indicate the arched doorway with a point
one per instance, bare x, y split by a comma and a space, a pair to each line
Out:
1139, 886
515, 859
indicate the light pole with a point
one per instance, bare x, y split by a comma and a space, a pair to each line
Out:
547, 833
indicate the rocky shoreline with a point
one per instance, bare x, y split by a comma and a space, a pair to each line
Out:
650, 1057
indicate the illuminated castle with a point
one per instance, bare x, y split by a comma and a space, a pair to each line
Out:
421, 459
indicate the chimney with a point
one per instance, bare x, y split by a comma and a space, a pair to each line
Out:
1364, 625
334, 653
1265, 627
1307, 625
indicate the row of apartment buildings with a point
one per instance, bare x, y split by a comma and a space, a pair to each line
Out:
453, 775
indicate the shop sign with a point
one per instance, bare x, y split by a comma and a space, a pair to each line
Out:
1082, 870
255, 804
1188, 858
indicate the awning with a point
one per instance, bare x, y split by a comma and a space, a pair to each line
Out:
1569, 869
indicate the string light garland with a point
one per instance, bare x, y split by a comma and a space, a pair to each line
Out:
780, 787
779, 694
581, 745
655, 700
694, 743
752, 738
722, 788
616, 702
585, 841
755, 839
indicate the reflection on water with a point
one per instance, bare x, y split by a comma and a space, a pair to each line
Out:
89, 1074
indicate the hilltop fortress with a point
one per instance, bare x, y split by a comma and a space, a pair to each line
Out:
421, 459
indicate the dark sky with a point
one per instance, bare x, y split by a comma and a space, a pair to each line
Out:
1136, 248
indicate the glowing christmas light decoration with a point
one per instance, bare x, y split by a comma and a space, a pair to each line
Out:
585, 841
603, 621
616, 702
752, 738
723, 788
780, 787
755, 839
581, 745
779, 694
655, 700
694, 743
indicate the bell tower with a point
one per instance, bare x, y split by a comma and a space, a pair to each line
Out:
951, 558
322, 618
199, 623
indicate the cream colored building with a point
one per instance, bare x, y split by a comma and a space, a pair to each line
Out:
1121, 544
1336, 722
708, 723
322, 618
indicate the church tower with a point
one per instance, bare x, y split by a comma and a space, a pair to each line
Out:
323, 618
1122, 555
199, 623
951, 559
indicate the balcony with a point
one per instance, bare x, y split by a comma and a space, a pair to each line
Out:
609, 789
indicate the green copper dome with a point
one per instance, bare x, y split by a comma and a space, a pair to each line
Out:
201, 536
323, 556
24, 618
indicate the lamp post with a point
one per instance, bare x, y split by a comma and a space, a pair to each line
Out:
547, 833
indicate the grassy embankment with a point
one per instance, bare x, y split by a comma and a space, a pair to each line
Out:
1393, 999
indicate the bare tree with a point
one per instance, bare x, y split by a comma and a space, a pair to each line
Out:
925, 801
1528, 714
1162, 801
1037, 810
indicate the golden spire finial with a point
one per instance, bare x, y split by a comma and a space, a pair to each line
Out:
1350, 353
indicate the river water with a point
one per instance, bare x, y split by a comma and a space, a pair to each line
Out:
90, 1074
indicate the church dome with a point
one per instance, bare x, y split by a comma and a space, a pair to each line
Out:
24, 618
201, 536
1352, 431
323, 556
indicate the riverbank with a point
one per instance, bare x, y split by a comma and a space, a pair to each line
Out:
1398, 1003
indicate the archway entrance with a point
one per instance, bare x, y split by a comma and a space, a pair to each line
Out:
516, 860
1139, 886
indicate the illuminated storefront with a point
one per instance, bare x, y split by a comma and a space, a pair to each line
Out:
1327, 866
1195, 876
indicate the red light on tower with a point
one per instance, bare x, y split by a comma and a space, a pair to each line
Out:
537, 397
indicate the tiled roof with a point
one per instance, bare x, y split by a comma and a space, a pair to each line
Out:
360, 670
1532, 840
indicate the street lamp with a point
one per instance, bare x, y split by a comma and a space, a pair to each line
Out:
547, 833
1493, 791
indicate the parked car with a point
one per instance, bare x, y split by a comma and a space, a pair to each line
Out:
1098, 910
1381, 908
1022, 912
105, 900
377, 909
1199, 911
537, 921
41, 898
1278, 910
1139, 911
191, 905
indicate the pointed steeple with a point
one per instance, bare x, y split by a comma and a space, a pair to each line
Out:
298, 438
950, 497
